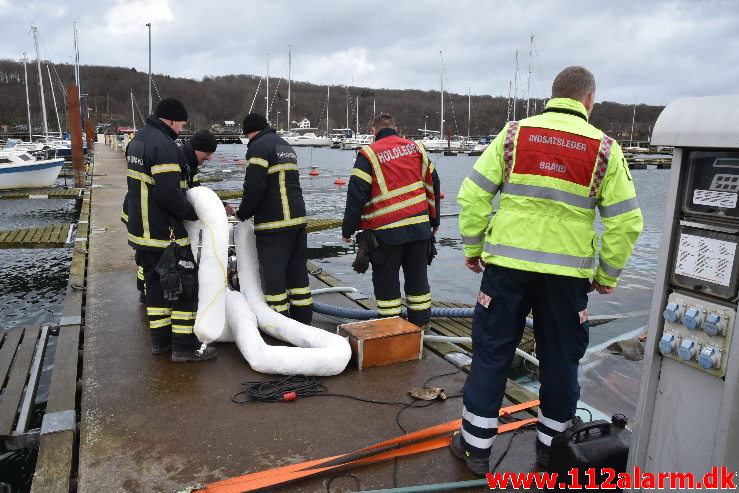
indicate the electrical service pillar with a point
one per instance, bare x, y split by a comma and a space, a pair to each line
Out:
687, 415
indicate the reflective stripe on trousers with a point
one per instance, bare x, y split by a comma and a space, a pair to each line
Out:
282, 258
561, 341
412, 257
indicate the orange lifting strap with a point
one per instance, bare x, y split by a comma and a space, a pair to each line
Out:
367, 455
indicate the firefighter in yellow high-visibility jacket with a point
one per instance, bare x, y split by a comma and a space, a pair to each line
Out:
539, 253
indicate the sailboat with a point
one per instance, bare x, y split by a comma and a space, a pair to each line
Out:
26, 165
292, 137
432, 140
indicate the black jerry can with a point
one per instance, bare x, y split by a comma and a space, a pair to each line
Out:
591, 454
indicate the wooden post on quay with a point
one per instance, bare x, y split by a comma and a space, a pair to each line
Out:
90, 134
75, 130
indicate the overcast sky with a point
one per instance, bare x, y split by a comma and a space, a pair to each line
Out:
651, 51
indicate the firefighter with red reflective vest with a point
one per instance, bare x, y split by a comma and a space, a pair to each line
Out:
539, 254
393, 194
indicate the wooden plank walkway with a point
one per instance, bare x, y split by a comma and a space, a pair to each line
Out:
322, 224
52, 236
229, 194
57, 456
21, 355
452, 327
45, 193
56, 235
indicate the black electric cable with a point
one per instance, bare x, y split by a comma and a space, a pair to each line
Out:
355, 478
285, 389
292, 387
397, 419
510, 442
587, 411
299, 386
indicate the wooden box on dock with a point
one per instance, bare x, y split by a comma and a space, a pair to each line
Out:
383, 341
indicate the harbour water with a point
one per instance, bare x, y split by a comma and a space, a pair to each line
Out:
609, 381
34, 280
32, 292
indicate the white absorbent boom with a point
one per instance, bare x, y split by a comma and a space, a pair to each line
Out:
225, 315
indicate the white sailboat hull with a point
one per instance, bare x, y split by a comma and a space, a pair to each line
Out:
31, 174
307, 140
438, 145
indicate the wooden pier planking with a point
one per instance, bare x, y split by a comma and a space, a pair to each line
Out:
47, 193
452, 327
17, 356
56, 460
51, 236
322, 224
229, 194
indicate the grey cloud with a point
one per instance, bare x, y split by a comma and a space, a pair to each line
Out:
652, 52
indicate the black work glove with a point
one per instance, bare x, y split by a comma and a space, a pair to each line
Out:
169, 277
432, 249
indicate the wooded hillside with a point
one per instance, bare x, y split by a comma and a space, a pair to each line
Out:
215, 99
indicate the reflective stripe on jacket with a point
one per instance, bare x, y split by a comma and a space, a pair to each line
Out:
272, 192
155, 201
401, 183
551, 170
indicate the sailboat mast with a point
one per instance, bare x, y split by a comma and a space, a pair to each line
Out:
77, 78
28, 101
441, 89
347, 107
53, 95
40, 82
528, 81
357, 119
289, 77
76, 58
508, 112
148, 24
328, 100
469, 110
133, 114
515, 85
633, 116
266, 114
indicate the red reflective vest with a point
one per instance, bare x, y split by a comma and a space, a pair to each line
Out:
401, 182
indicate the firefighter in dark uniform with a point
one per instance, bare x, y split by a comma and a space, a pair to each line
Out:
197, 150
156, 206
394, 192
272, 195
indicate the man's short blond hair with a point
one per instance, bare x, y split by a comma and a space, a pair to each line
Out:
383, 121
573, 82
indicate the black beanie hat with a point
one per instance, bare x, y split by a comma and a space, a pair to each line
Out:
254, 122
171, 109
204, 141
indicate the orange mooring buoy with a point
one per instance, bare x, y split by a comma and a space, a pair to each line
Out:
339, 182
441, 195
313, 172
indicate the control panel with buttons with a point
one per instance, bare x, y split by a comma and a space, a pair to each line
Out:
697, 332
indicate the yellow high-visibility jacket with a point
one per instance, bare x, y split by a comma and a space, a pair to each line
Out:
552, 170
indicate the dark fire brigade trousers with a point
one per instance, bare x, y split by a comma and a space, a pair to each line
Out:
559, 305
282, 259
412, 257
171, 322
140, 284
